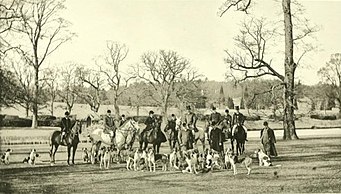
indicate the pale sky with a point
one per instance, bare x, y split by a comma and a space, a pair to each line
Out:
190, 27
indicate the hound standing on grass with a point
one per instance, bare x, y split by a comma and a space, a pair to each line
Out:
151, 159
105, 159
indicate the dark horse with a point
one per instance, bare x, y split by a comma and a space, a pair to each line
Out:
217, 139
240, 137
71, 140
155, 137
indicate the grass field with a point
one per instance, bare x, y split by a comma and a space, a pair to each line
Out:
311, 164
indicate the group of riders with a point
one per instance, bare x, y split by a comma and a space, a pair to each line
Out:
226, 123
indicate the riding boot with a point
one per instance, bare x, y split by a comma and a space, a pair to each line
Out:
246, 137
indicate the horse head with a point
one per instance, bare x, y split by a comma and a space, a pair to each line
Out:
130, 125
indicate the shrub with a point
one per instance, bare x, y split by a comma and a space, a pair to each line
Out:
46, 117
253, 118
16, 122
323, 117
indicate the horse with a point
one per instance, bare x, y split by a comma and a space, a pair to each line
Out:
155, 137
173, 138
199, 134
217, 139
125, 137
71, 140
240, 137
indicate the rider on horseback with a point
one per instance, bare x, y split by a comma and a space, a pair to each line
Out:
66, 125
238, 120
109, 125
150, 122
123, 120
214, 120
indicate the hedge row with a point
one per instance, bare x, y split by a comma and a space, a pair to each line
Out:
323, 117
15, 121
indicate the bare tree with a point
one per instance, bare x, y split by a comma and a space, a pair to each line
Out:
51, 80
93, 81
9, 14
69, 86
253, 39
186, 89
46, 32
161, 70
24, 75
331, 75
116, 79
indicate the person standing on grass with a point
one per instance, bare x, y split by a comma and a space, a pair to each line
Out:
268, 140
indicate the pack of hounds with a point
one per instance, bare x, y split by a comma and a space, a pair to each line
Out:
190, 161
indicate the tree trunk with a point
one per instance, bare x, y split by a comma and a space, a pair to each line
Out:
116, 108
164, 109
27, 109
35, 101
289, 117
137, 110
52, 107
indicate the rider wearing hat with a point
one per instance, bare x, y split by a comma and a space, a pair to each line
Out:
213, 121
122, 120
109, 124
238, 120
150, 122
65, 125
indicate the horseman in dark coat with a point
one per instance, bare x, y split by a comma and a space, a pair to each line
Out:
238, 120
122, 120
213, 121
173, 134
109, 125
227, 124
65, 125
150, 123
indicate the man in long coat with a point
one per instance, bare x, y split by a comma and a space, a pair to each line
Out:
268, 140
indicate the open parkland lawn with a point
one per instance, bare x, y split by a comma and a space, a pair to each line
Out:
311, 164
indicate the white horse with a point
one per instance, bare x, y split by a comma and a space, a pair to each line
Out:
125, 137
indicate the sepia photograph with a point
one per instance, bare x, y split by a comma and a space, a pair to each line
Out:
170, 96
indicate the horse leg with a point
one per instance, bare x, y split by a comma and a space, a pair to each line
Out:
68, 155
54, 153
145, 145
232, 145
74, 153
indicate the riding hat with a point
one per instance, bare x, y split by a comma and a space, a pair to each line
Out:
237, 107
151, 112
227, 110
108, 111
188, 107
67, 113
